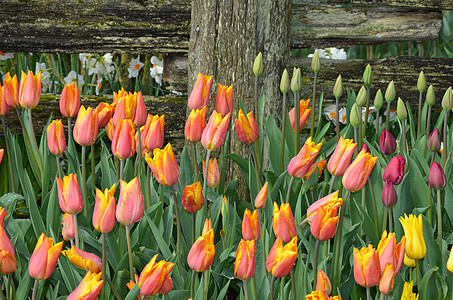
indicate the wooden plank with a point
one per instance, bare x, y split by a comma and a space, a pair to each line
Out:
430, 4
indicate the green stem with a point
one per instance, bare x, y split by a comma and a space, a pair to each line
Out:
246, 289
384, 220
69, 130
444, 152
419, 276
360, 129
258, 161
194, 161
430, 206
315, 264
255, 294
8, 284
84, 184
8, 153
356, 139
377, 120
419, 122
338, 237
192, 284
178, 227
428, 127
121, 169
93, 170
387, 119
104, 263
368, 293
293, 284
129, 250
390, 219
59, 167
114, 290
282, 146
256, 97
35, 143
271, 297
296, 123
337, 117
76, 230
367, 107
206, 283
375, 210
332, 181
148, 186
439, 223
313, 107
138, 162
35, 290
205, 191
262, 233
194, 220
403, 122
288, 193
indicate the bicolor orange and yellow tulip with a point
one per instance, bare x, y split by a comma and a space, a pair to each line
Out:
245, 263
70, 100
89, 288
155, 278
367, 271
131, 203
104, 210
44, 258
152, 134
246, 128
30, 89
195, 124
83, 259
224, 99
261, 198
10, 93
192, 197
199, 96
304, 113
341, 157
215, 132
250, 225
201, 255
281, 259
356, 175
69, 194
301, 163
283, 222
213, 172
164, 166
55, 137
8, 262
68, 230
86, 127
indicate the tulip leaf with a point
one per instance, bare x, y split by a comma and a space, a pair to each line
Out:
368, 225
274, 139
179, 294
163, 247
107, 168
23, 289
432, 248
52, 210
242, 163
223, 291
320, 111
426, 290
322, 133
132, 295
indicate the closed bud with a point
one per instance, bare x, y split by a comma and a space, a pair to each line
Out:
356, 116
258, 65
447, 101
296, 81
430, 96
390, 93
378, 100
437, 179
401, 110
394, 172
434, 140
387, 142
421, 82
389, 196
284, 83
368, 76
338, 87
361, 97
315, 63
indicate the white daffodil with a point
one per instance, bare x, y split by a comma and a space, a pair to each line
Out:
102, 65
98, 86
5, 56
72, 77
331, 53
45, 76
157, 70
134, 67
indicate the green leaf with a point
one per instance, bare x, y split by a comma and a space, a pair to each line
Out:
132, 295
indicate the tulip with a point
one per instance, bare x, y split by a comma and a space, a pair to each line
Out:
434, 141
437, 179
121, 93
409, 261
123, 143
199, 96
224, 100
300, 164
4, 107
2, 151
8, 262
68, 230
84, 260
285, 83
281, 259
10, 93
44, 258
317, 295
245, 263
394, 172
213, 173
261, 198
104, 210
164, 166
195, 124
304, 113
449, 262
356, 175
89, 288
86, 127
407, 292
413, 230
258, 65
201, 255
338, 87
155, 278
367, 271
29, 89
131, 203
283, 222
70, 100
296, 81
341, 157
315, 63
215, 132
55, 138
387, 279
192, 197
390, 252
323, 224
246, 128
224, 210
69, 194
387, 142
323, 283
152, 135
110, 129
319, 166
250, 225
207, 226
104, 111
131, 106
389, 196
330, 200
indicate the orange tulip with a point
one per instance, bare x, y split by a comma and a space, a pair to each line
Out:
44, 258
131, 203
323, 282
69, 194
89, 288
283, 222
300, 164
323, 224
2, 151
123, 143
199, 96
245, 263
4, 107
8, 262
195, 124
260, 199
131, 106
155, 278
121, 93
304, 113
86, 127
318, 167
330, 201
356, 175
250, 225
104, 210
387, 279
317, 295
215, 132
224, 99
152, 135
164, 166
55, 137
281, 259
84, 260
110, 129
213, 173
10, 93
68, 230
70, 100
367, 271
341, 157
246, 128
201, 255
192, 197
104, 111
390, 252
130, 285
207, 226
30, 89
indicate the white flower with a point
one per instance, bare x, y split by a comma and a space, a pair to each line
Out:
329, 112
157, 69
98, 86
5, 56
72, 76
331, 53
45, 76
134, 67
103, 65
85, 59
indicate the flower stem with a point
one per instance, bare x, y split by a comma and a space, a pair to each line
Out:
390, 219
439, 223
338, 237
377, 119
35, 290
428, 126
93, 170
258, 161
246, 289
419, 276
444, 152
122, 169
313, 107
104, 264
194, 220
148, 186
192, 284
194, 161
7, 285
356, 139
337, 117
205, 191
35, 143
76, 230
256, 96
262, 233
404, 136
112, 286
332, 181
257, 170
367, 109
255, 294
296, 123
375, 210
69, 130
387, 119
8, 153
289, 189
206, 283
129, 250
271, 297
368, 293
84, 184
315, 264
384, 221
178, 227
419, 122
282, 149
59, 167
138, 161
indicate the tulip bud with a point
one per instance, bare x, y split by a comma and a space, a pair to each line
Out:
192, 197
421, 82
389, 196
224, 210
207, 226
70, 100
104, 210
213, 173
387, 142
361, 97
437, 179
378, 100
68, 230
356, 116
390, 93
245, 263
434, 140
338, 88
323, 283
284, 83
387, 279
260, 200
131, 203
69, 194
258, 65
394, 172
250, 225
368, 76
296, 81
447, 100
315, 63
44, 258
409, 261
55, 138
365, 147
401, 110
430, 96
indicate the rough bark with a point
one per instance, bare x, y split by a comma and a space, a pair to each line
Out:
437, 4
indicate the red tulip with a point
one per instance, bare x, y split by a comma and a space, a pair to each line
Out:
387, 142
394, 172
389, 196
437, 179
